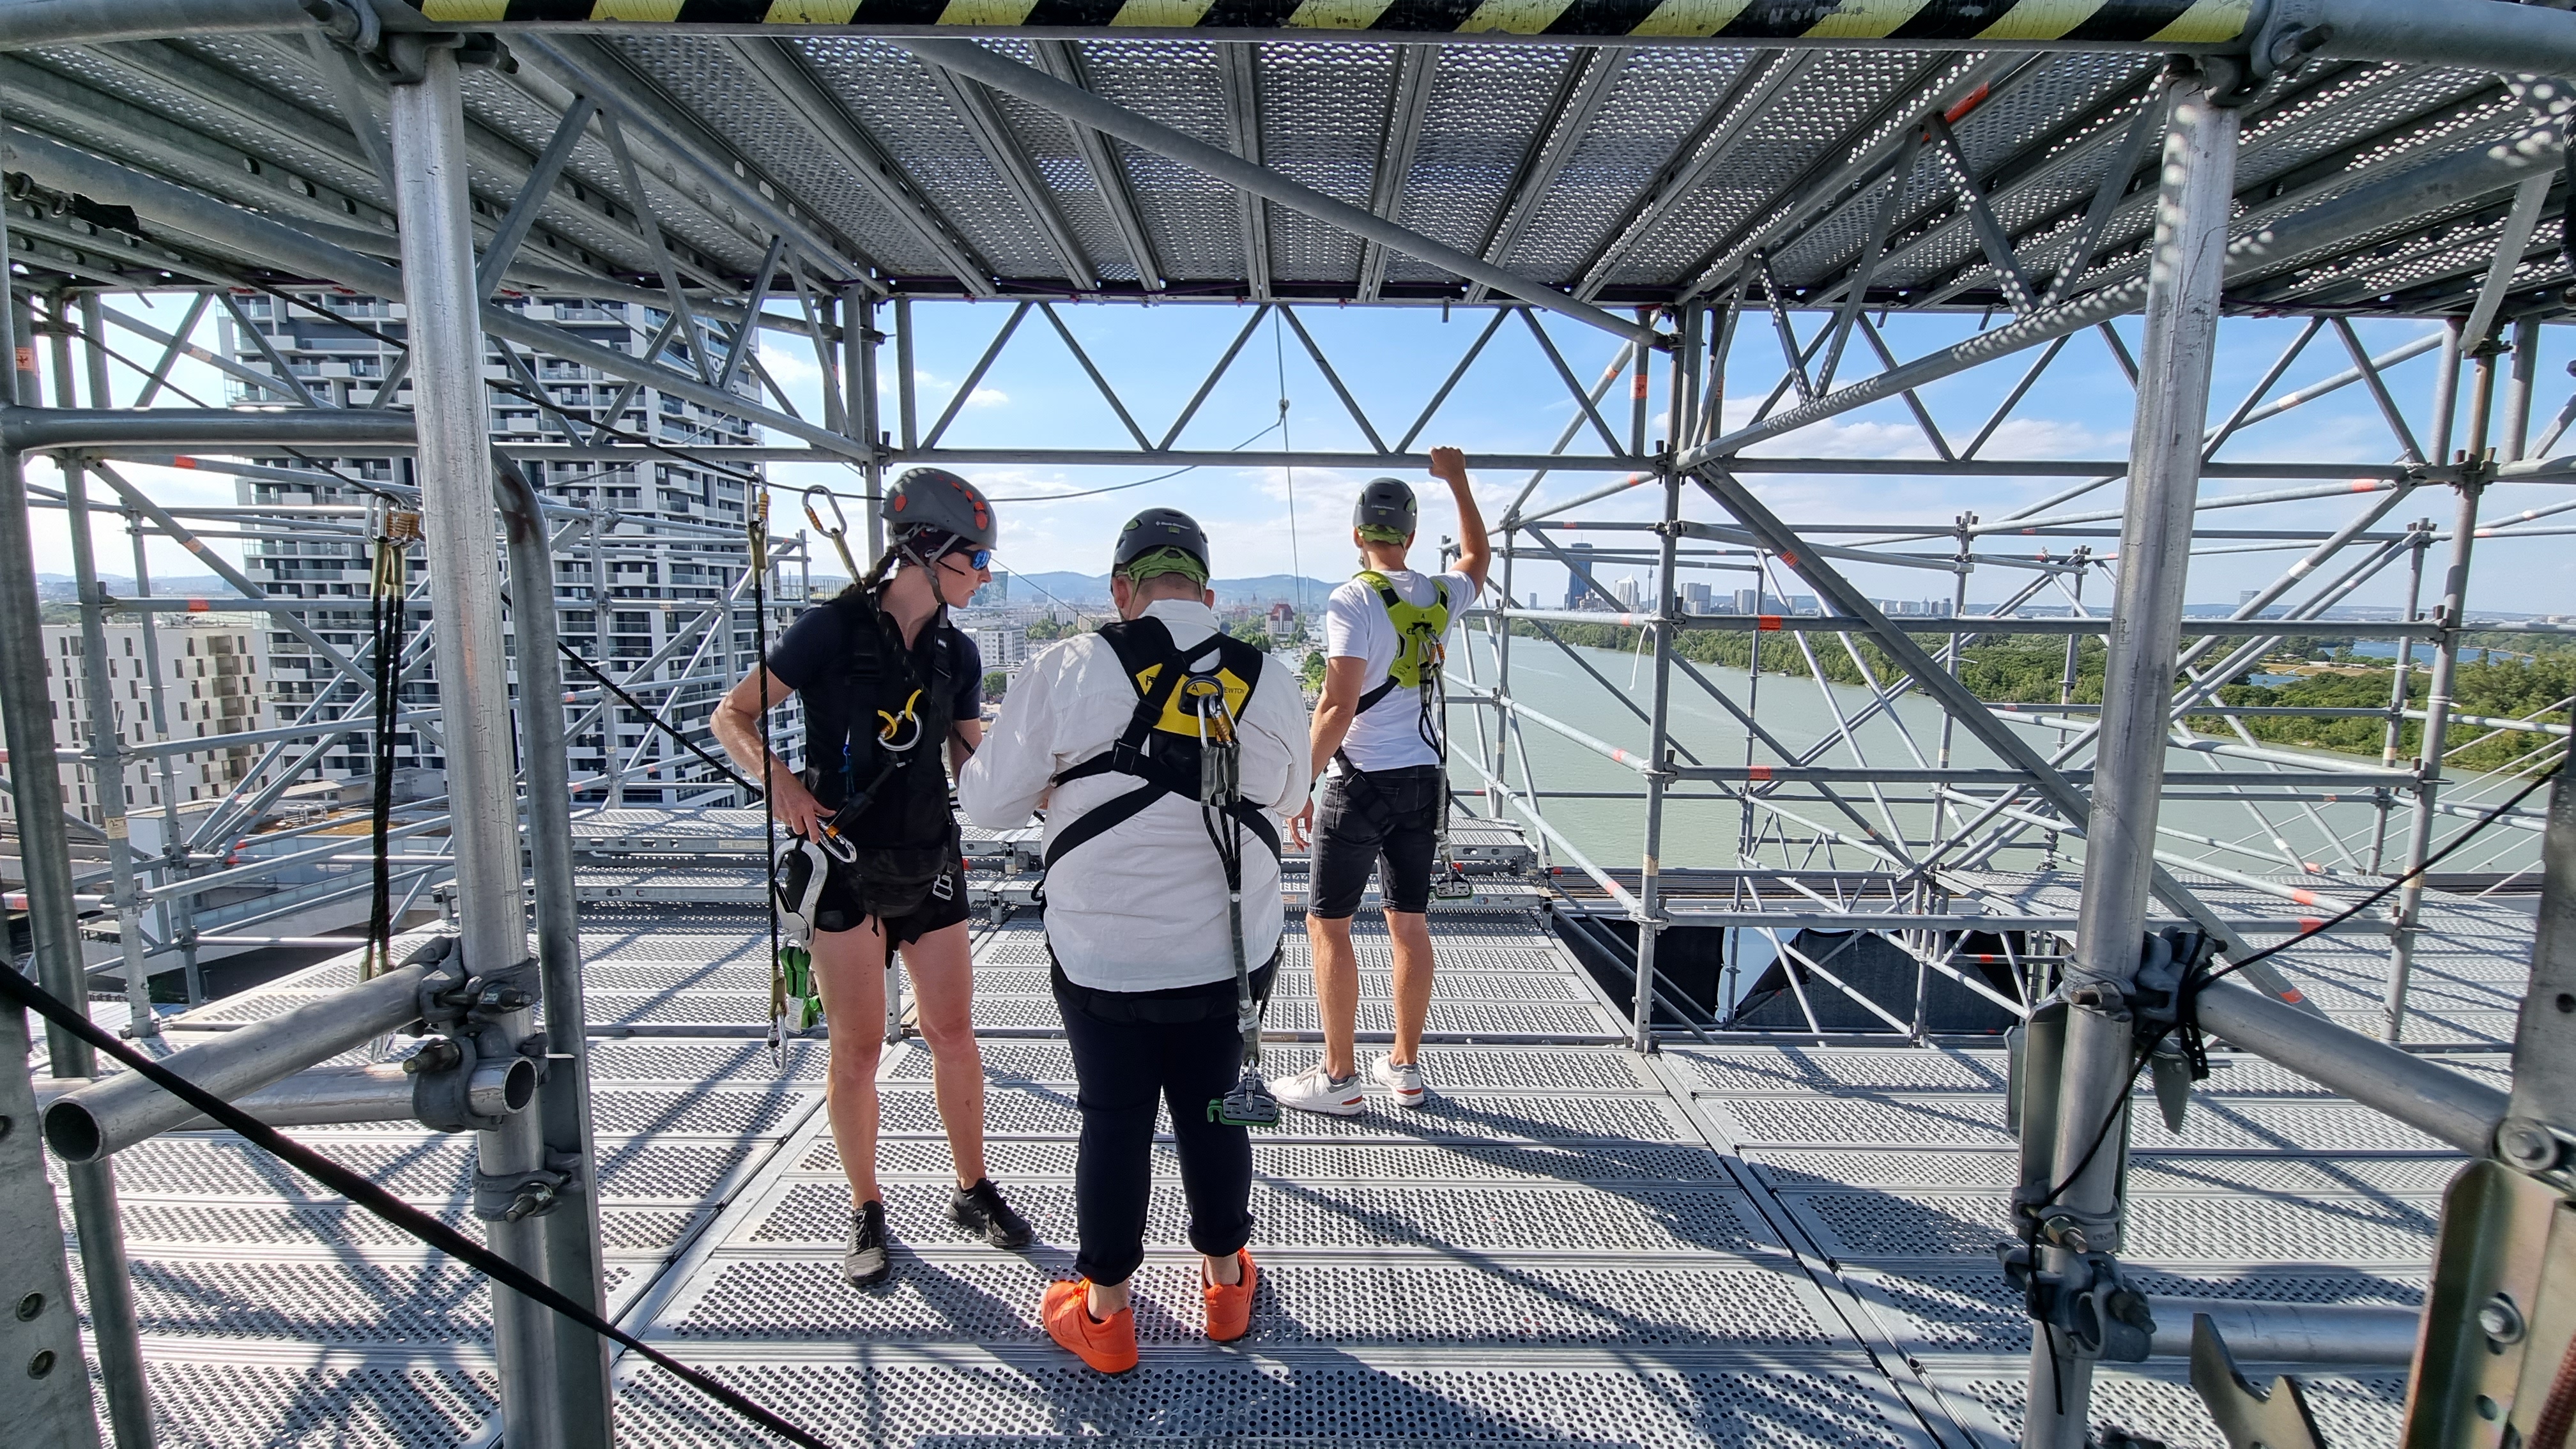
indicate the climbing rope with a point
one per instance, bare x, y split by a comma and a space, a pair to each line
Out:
387, 618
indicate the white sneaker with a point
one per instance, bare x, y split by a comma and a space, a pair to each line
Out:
1403, 1079
1313, 1090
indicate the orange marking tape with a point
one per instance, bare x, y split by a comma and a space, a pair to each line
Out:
1974, 99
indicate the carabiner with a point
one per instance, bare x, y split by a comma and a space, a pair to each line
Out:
836, 845
840, 535
894, 725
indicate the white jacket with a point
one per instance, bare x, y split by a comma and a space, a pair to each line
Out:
1141, 907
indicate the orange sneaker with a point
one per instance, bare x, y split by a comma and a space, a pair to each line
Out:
1229, 1305
1109, 1347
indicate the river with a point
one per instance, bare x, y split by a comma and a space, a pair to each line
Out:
1706, 832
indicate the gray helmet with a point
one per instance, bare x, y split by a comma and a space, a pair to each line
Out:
937, 498
1158, 528
1386, 503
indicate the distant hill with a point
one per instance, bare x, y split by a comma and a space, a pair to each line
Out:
1071, 588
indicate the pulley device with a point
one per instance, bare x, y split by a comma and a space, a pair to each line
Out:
388, 594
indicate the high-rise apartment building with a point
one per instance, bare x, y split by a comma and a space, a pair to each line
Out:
634, 604
212, 681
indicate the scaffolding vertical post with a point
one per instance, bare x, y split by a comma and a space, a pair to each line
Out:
105, 756
2517, 393
2446, 394
1659, 772
156, 688
906, 406
860, 340
177, 916
2082, 1217
1494, 795
51, 1407
458, 525
569, 1230
2419, 538
2474, 469
95, 1214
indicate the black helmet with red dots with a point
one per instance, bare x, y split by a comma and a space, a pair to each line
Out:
936, 498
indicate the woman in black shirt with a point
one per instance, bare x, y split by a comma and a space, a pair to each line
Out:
886, 681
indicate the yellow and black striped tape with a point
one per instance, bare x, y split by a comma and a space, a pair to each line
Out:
2171, 22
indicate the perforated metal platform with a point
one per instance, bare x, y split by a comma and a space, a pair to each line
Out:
1738, 1244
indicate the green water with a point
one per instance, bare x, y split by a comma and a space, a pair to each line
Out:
1796, 712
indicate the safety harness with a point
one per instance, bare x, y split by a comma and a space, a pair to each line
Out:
1183, 740
1421, 654
1160, 745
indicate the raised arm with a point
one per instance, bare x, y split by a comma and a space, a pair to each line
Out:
1475, 554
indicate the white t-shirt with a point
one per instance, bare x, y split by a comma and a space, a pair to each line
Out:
1388, 737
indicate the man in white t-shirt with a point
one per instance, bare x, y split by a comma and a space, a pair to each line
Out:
1379, 727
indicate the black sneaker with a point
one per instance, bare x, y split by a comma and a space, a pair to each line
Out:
981, 1211
865, 1262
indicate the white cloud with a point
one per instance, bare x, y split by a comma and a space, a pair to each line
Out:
932, 392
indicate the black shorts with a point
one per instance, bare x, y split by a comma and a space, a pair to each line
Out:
841, 908
1383, 820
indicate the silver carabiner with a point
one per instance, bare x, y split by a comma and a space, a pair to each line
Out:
840, 534
836, 845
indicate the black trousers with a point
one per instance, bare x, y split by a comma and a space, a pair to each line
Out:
1131, 1051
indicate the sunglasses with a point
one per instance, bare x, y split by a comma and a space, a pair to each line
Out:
976, 558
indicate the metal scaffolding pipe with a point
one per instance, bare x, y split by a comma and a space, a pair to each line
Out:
324, 1095
570, 1230
116, 1112
2415, 1090
2342, 1333
458, 527
2435, 186
28, 429
25, 23
2182, 296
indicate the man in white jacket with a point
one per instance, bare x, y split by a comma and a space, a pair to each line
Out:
1097, 732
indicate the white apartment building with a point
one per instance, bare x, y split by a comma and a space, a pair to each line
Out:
619, 612
213, 681
1004, 646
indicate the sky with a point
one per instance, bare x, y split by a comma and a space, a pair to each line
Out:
1276, 520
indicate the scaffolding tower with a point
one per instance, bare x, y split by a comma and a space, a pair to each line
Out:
583, 217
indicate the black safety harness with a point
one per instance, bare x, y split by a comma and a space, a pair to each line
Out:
1160, 744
